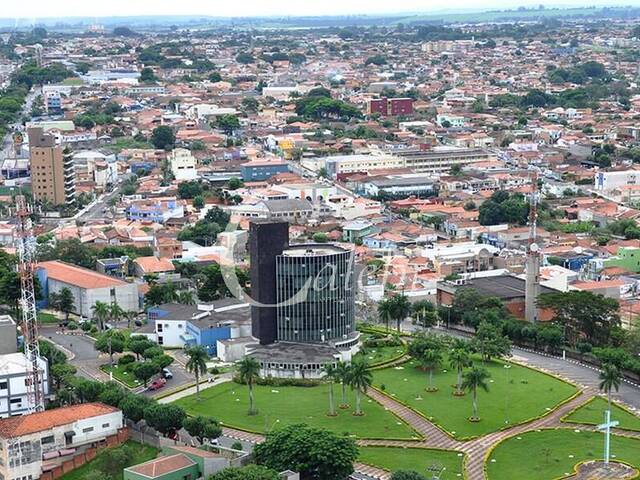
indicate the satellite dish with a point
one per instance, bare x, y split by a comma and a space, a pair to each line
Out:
578, 250
534, 247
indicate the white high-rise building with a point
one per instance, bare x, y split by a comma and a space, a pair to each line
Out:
15, 369
183, 164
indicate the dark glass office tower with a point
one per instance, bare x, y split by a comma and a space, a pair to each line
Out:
315, 294
267, 240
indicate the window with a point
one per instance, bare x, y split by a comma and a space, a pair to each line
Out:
87, 430
159, 327
160, 340
16, 400
105, 425
45, 440
3, 385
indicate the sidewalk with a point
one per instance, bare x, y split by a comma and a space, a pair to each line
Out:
172, 397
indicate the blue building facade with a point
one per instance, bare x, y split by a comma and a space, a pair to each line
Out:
257, 171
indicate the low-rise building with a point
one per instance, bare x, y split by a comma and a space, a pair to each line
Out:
259, 170
15, 373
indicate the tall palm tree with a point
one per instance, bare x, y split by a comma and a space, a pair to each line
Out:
431, 360
101, 312
249, 372
130, 316
610, 378
331, 375
343, 371
385, 311
459, 359
359, 379
116, 313
473, 379
401, 307
197, 364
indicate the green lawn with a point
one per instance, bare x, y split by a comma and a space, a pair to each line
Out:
417, 459
47, 318
378, 355
551, 454
229, 402
591, 413
516, 394
119, 373
141, 453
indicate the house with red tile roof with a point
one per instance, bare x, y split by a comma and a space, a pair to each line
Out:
32, 445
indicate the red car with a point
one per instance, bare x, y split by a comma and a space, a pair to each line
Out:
157, 383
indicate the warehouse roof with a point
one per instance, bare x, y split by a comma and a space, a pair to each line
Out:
78, 276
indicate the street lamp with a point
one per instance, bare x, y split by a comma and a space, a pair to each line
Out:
507, 367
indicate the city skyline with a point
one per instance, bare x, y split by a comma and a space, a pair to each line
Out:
251, 8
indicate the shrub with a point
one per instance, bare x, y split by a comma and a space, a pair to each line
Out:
86, 326
283, 382
72, 325
126, 359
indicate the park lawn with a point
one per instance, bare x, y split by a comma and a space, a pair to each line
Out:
417, 459
548, 454
141, 453
119, 373
48, 318
378, 355
280, 406
517, 394
591, 413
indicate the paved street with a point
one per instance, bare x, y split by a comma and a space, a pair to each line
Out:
88, 361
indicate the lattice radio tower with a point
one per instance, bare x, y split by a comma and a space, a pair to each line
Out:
26, 270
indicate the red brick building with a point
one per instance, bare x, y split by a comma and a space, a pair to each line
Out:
390, 107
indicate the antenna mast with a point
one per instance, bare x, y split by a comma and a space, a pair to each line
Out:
26, 270
532, 282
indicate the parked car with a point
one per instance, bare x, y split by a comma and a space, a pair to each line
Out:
157, 384
166, 373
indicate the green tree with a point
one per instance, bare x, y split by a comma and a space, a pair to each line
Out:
331, 375
407, 475
459, 359
144, 371
245, 58
583, 315
610, 378
163, 138
250, 472
235, 183
228, 123
473, 379
61, 373
147, 75
112, 341
197, 364
138, 344
316, 453
165, 418
342, 375
401, 307
101, 313
66, 303
360, 379
385, 311
133, 406
430, 361
249, 372
490, 343
202, 427
198, 202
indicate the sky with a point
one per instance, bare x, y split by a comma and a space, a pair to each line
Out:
97, 8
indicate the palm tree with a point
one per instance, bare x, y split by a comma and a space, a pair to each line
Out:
401, 307
130, 315
610, 377
385, 311
459, 359
101, 312
430, 360
186, 297
359, 379
249, 372
197, 364
331, 375
116, 312
473, 379
342, 375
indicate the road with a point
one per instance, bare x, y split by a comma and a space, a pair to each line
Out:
85, 358
7, 141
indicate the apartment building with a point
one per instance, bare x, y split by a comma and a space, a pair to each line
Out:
34, 445
52, 171
15, 369
390, 106
183, 164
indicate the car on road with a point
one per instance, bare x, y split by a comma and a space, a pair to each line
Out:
167, 374
157, 384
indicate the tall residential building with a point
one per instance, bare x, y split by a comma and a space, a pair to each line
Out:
183, 164
52, 172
